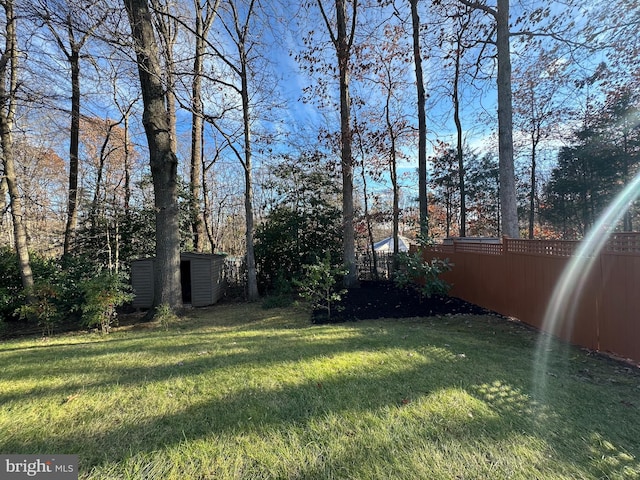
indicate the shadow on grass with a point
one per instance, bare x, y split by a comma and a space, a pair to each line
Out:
441, 364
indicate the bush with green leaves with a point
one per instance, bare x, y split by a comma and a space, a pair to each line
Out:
13, 296
102, 294
73, 290
43, 308
320, 285
281, 294
293, 237
302, 226
415, 272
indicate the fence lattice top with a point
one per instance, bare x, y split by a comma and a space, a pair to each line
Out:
617, 243
556, 248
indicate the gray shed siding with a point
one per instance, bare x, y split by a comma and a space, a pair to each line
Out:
142, 282
206, 279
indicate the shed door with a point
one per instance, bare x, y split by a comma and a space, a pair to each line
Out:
201, 283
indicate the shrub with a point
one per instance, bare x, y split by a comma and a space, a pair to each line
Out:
42, 308
292, 237
318, 286
12, 295
282, 294
102, 294
302, 225
74, 290
165, 315
414, 272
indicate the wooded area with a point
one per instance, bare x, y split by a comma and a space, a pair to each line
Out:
140, 128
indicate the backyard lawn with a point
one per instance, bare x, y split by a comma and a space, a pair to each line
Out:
238, 392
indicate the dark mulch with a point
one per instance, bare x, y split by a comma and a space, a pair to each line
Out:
382, 299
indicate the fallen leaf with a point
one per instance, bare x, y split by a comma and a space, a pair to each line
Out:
70, 398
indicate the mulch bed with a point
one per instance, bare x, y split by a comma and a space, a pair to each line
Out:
382, 299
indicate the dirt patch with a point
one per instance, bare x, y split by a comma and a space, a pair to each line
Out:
380, 299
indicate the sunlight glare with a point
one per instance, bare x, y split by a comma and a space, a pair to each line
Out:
560, 313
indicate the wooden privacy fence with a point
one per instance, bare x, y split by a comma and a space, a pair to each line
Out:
517, 278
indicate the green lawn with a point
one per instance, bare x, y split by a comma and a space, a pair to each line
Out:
237, 392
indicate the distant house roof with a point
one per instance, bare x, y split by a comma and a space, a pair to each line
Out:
386, 244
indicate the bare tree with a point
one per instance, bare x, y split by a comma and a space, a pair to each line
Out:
62, 16
205, 12
462, 21
540, 105
422, 122
387, 70
8, 97
237, 26
342, 38
508, 199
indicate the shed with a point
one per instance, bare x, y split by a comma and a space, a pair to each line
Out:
201, 278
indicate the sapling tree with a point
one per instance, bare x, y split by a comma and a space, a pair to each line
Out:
102, 294
320, 285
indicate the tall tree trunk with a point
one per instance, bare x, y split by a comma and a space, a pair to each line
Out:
422, 123
197, 125
252, 274
74, 146
17, 213
76, 36
343, 49
8, 87
393, 173
508, 200
166, 27
203, 25
342, 42
459, 154
535, 140
4, 190
213, 243
127, 167
162, 158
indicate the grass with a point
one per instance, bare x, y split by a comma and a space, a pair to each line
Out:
237, 392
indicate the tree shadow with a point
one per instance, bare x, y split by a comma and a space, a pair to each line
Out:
434, 362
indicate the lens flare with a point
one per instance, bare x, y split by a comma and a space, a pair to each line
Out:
560, 315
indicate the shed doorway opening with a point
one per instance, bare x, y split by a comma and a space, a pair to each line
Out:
185, 280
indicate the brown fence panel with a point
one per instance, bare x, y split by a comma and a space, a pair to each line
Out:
620, 305
530, 285
579, 323
472, 278
600, 309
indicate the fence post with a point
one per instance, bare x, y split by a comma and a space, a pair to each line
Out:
505, 244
